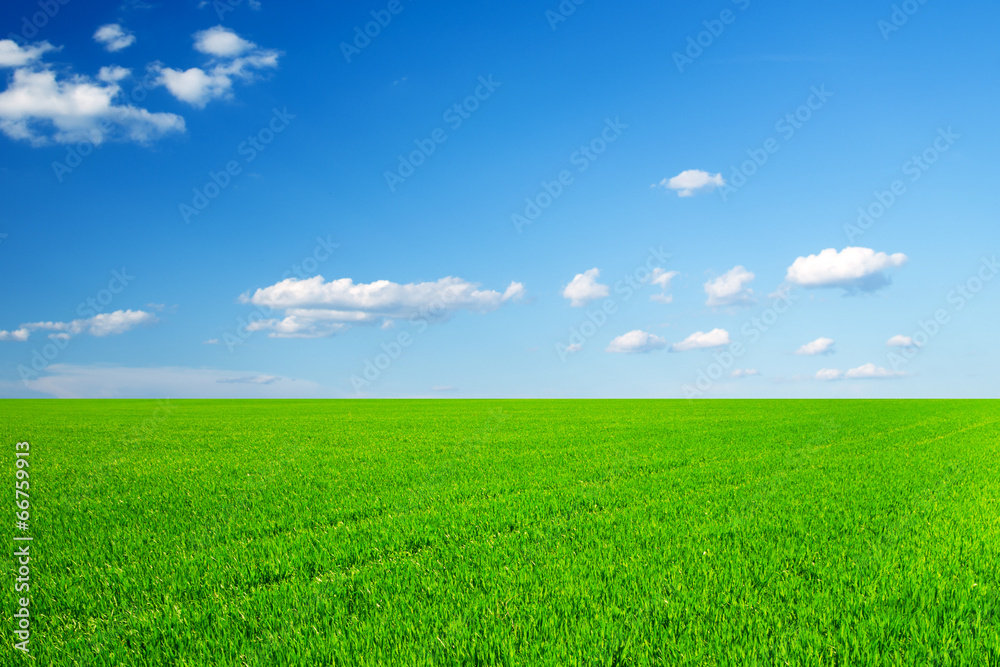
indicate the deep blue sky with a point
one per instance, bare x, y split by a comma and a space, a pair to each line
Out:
214, 80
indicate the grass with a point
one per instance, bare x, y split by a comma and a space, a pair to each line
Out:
509, 532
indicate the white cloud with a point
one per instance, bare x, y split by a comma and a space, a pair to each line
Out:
212, 341
584, 288
852, 269
232, 58
99, 381
41, 108
315, 308
17, 335
251, 379
443, 387
901, 341
744, 372
662, 278
636, 342
730, 289
100, 325
194, 86
112, 73
13, 54
574, 347
222, 42
691, 180
870, 370
867, 371
700, 340
114, 37
818, 346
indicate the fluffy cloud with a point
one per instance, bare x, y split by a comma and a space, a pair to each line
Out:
867, 371
818, 346
901, 341
40, 107
114, 37
584, 288
85, 381
662, 278
232, 58
222, 42
700, 340
636, 342
688, 182
13, 54
17, 335
315, 308
853, 269
730, 289
744, 372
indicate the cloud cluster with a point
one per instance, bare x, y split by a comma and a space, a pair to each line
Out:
690, 181
100, 325
41, 106
730, 289
231, 58
853, 269
584, 288
315, 308
818, 346
101, 381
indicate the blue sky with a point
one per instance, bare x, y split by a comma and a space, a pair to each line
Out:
244, 199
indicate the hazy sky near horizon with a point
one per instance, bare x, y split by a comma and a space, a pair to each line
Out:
484, 199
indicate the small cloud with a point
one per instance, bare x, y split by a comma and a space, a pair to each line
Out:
872, 371
690, 181
574, 347
661, 278
251, 379
584, 288
818, 346
17, 335
730, 289
901, 341
445, 387
636, 342
212, 341
852, 269
114, 37
864, 372
222, 42
744, 372
701, 340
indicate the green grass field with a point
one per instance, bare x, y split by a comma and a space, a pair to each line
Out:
508, 532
